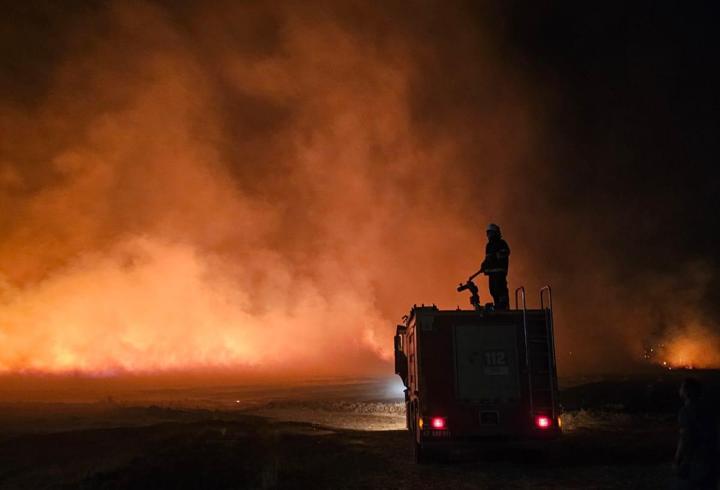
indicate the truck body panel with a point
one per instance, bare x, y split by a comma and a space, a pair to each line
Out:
478, 375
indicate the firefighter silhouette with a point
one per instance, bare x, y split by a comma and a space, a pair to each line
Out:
697, 450
495, 266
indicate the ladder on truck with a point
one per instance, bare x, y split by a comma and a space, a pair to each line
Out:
539, 353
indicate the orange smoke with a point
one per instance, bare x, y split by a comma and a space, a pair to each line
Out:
188, 197
693, 346
270, 187
150, 306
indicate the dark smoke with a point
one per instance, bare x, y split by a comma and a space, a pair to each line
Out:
270, 186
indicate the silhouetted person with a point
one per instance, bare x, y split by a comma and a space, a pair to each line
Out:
696, 454
495, 266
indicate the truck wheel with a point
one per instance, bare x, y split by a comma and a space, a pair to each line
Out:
422, 455
419, 453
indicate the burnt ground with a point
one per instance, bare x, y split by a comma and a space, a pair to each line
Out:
216, 450
614, 445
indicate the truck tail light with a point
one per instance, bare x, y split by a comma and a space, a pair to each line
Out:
438, 423
542, 422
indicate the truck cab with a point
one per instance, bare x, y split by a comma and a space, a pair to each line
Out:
480, 375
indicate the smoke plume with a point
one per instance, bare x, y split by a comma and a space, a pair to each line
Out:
270, 187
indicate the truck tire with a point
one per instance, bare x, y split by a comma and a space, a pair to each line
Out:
422, 455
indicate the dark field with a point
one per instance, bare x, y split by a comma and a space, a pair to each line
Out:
620, 433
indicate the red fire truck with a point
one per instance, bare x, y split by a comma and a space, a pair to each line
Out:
478, 375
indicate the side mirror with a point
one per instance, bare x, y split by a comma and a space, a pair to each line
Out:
398, 343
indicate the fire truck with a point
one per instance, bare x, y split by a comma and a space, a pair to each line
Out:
480, 375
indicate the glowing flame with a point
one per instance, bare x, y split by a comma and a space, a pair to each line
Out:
692, 352
691, 346
169, 309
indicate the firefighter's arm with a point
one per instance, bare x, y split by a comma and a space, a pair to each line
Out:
683, 436
680, 451
678, 454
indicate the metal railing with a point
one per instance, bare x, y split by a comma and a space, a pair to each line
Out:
520, 293
550, 343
